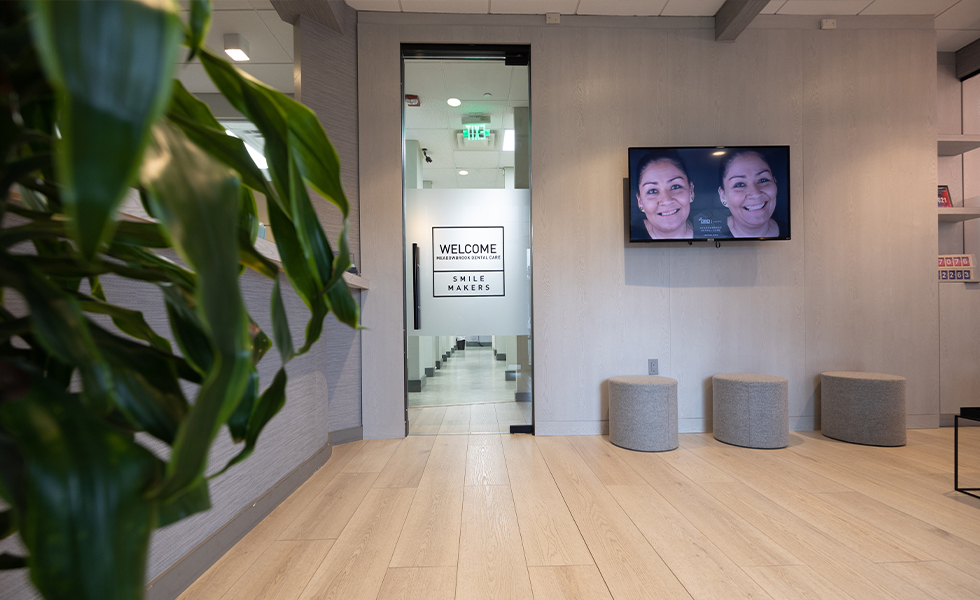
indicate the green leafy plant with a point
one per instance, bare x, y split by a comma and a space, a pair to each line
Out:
89, 110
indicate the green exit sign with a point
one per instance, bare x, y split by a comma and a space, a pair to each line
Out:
475, 132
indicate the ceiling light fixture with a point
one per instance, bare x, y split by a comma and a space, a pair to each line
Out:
718, 153
464, 172
454, 102
508, 140
236, 46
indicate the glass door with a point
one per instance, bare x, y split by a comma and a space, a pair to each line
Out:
468, 343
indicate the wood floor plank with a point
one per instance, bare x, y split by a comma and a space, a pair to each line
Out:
580, 582
944, 545
629, 565
601, 457
357, 563
795, 582
937, 579
281, 572
736, 537
373, 456
694, 467
704, 570
223, 574
327, 515
858, 576
430, 537
413, 583
548, 531
485, 464
491, 557
483, 419
776, 480
457, 420
429, 420
404, 468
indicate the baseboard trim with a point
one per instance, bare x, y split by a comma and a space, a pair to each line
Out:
922, 421
430, 371
501, 356
171, 583
345, 436
415, 385
522, 396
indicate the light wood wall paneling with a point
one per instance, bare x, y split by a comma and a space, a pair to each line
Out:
548, 531
593, 94
738, 308
871, 288
380, 159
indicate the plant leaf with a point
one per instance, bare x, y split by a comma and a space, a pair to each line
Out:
315, 155
280, 326
107, 104
187, 329
269, 404
8, 523
200, 22
251, 258
238, 421
197, 200
85, 543
229, 150
128, 321
196, 498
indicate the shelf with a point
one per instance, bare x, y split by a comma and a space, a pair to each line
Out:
954, 145
958, 213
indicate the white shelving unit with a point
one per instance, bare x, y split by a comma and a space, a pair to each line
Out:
953, 145
958, 214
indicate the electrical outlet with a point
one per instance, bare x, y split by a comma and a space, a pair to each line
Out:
653, 366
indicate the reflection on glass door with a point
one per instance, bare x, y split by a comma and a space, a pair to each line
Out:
467, 240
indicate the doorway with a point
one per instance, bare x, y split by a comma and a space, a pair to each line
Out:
467, 202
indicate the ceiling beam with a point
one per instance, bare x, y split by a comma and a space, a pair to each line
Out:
734, 16
328, 13
968, 60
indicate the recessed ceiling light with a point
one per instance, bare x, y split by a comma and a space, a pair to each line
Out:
718, 153
236, 46
464, 172
453, 102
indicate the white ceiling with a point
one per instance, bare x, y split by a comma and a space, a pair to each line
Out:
957, 21
435, 124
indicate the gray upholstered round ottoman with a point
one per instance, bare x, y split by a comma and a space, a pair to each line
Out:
863, 408
643, 412
751, 410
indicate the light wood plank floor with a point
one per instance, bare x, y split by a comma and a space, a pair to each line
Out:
501, 516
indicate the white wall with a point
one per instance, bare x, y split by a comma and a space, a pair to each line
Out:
854, 289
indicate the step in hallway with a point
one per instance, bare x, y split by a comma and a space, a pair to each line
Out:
509, 517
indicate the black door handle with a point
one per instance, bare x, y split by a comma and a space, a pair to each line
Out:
415, 286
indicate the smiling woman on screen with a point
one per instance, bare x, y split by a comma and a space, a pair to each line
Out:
664, 194
748, 189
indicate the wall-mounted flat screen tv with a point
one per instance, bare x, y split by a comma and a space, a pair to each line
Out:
708, 193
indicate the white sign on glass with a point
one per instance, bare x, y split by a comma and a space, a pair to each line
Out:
468, 261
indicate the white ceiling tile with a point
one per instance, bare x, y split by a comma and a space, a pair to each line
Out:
279, 76
476, 159
263, 45
377, 5
281, 30
506, 159
646, 8
533, 7
692, 8
772, 7
439, 146
951, 40
908, 7
447, 6
481, 179
195, 79
963, 15
823, 7
469, 81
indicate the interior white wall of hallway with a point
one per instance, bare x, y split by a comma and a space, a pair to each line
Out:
854, 289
